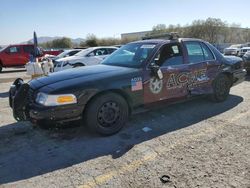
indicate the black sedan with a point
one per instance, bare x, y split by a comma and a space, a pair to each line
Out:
135, 76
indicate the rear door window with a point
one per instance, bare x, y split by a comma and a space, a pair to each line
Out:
195, 52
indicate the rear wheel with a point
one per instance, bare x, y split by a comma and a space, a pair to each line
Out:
106, 114
221, 88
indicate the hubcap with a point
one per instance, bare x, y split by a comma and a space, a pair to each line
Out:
108, 114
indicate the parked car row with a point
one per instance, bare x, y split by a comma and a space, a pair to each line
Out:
237, 49
18, 55
90, 56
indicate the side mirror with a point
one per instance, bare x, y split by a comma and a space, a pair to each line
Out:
156, 71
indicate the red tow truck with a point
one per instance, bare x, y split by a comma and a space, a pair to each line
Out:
18, 55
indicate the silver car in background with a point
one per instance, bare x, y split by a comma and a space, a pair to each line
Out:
233, 49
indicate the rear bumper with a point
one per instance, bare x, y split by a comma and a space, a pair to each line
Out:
239, 76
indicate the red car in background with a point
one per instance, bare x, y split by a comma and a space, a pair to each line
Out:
18, 55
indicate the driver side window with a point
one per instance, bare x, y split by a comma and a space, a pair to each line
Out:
14, 49
171, 54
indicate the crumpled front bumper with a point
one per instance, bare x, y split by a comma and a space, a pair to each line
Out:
18, 99
59, 114
21, 100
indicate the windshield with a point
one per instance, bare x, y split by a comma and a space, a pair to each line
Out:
130, 55
63, 53
83, 53
2, 49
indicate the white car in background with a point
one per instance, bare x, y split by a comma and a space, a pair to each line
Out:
243, 51
90, 56
233, 49
66, 53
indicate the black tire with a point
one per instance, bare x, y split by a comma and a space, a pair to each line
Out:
106, 114
221, 88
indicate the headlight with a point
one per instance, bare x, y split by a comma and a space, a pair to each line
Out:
55, 100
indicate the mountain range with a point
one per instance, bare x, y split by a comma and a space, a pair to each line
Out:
48, 39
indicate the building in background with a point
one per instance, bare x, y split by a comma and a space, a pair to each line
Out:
136, 35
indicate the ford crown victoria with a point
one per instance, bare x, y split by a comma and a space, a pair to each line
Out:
135, 76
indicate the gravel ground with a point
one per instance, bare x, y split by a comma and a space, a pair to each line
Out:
10, 74
194, 144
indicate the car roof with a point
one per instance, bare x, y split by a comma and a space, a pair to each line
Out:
235, 45
163, 41
21, 45
98, 47
245, 48
70, 50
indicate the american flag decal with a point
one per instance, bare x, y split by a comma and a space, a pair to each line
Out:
136, 84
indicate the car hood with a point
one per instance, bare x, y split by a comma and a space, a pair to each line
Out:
85, 74
232, 59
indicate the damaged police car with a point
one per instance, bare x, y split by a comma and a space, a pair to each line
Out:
135, 76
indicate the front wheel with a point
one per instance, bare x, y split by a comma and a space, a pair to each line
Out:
221, 88
106, 114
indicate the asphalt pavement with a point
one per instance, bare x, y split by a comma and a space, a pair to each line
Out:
192, 144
